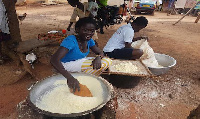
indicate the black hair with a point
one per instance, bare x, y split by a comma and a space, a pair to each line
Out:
141, 21
83, 21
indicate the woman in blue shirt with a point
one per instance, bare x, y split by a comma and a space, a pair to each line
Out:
72, 53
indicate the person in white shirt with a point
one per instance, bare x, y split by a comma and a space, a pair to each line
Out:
119, 45
4, 29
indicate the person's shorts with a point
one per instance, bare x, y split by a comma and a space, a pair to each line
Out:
124, 53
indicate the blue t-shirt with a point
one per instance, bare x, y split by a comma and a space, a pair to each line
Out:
74, 52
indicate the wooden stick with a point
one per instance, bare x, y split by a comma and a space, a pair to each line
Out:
186, 13
198, 17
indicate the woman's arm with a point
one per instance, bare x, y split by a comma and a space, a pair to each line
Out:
55, 61
97, 61
97, 51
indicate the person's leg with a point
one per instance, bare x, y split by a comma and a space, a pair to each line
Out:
168, 11
87, 68
125, 53
136, 54
195, 13
102, 21
99, 17
169, 8
114, 13
102, 24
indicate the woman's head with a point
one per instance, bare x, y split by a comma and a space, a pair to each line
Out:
139, 23
85, 28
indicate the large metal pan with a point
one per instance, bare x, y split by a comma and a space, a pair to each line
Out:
40, 87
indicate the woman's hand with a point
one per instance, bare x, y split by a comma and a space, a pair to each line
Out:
73, 84
96, 63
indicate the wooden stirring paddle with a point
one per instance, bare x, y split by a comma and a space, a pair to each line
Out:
84, 91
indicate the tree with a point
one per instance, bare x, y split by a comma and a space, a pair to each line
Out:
16, 48
10, 46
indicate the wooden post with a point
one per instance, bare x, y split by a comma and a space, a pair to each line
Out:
186, 13
13, 25
13, 21
198, 17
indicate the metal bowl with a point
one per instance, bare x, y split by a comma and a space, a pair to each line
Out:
164, 60
41, 87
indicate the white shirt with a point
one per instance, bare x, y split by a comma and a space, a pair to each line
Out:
124, 34
3, 19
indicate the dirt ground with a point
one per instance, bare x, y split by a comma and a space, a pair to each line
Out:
170, 96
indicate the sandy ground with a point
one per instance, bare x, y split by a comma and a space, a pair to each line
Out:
170, 96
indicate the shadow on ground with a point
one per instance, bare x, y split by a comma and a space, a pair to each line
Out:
122, 81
